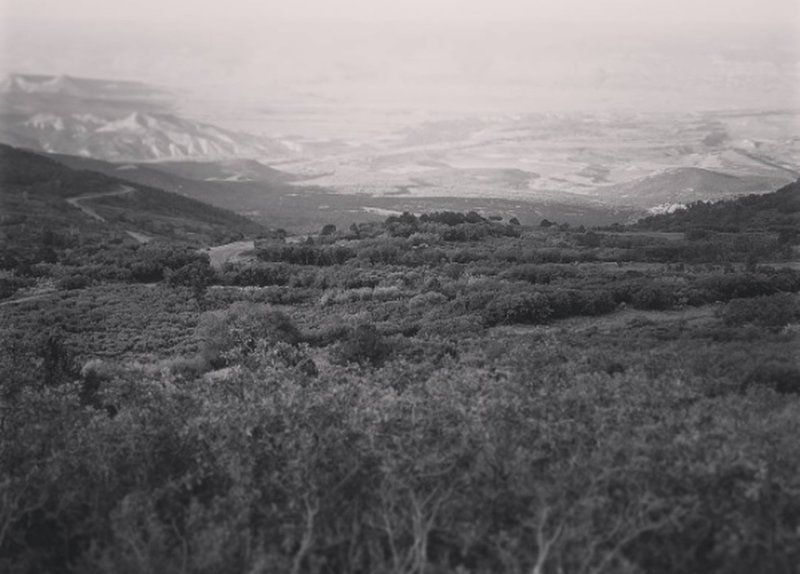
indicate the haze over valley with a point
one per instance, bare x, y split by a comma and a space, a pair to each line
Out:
580, 113
573, 164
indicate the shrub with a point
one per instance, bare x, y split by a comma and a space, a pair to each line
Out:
767, 311
230, 336
511, 308
197, 275
783, 378
71, 282
363, 345
653, 297
10, 284
428, 299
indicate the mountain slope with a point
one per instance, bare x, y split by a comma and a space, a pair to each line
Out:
269, 201
182, 176
776, 212
38, 193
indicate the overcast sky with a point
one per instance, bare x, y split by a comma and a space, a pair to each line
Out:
692, 53
213, 11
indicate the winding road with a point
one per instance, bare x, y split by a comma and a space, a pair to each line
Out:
122, 190
219, 255
27, 298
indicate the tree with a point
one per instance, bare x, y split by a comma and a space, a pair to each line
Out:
473, 217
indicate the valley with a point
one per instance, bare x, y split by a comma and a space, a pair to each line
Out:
587, 168
571, 158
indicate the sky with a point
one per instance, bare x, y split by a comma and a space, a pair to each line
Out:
213, 11
508, 54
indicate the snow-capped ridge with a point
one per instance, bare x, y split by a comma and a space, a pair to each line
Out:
139, 136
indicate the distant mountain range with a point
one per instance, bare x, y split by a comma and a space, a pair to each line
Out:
555, 167
108, 91
115, 121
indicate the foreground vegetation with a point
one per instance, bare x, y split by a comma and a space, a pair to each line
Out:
439, 393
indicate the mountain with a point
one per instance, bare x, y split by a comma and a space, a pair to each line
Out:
662, 191
39, 194
114, 120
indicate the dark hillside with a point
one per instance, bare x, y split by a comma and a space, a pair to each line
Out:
777, 212
36, 191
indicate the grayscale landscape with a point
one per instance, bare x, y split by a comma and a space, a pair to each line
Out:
435, 286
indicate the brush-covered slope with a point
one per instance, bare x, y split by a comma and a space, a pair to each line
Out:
778, 211
39, 194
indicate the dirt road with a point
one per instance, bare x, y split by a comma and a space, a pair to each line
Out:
27, 298
122, 190
76, 201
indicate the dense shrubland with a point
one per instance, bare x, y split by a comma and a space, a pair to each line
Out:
498, 461
439, 393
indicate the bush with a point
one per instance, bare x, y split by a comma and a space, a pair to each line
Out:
363, 345
655, 297
512, 308
196, 275
10, 284
426, 300
773, 311
783, 378
71, 282
230, 336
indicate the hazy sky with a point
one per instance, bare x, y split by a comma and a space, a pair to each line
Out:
447, 53
214, 11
